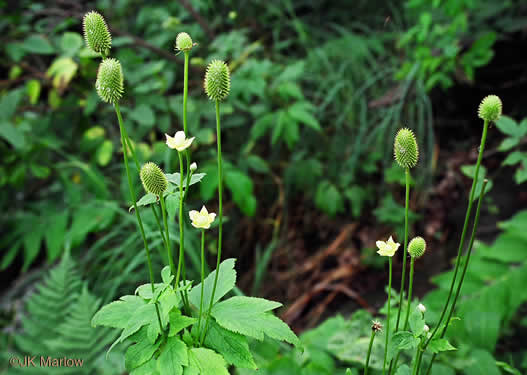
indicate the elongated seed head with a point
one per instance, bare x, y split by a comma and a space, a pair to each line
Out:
405, 148
417, 247
109, 82
217, 80
490, 108
183, 42
96, 33
153, 179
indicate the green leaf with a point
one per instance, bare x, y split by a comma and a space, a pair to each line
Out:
38, 44
510, 127
117, 314
166, 275
241, 187
179, 322
62, 71
13, 135
173, 357
147, 368
232, 346
104, 152
300, 112
403, 370
514, 158
226, 281
328, 198
9, 104
175, 179
258, 164
402, 340
508, 143
482, 362
205, 362
71, 43
55, 233
145, 200
440, 345
140, 353
33, 90
417, 323
32, 241
143, 115
250, 316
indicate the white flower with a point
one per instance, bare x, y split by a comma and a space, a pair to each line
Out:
193, 167
426, 329
388, 248
202, 219
179, 141
421, 308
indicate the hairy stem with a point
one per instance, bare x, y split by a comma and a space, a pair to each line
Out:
388, 316
465, 267
463, 233
369, 352
220, 214
124, 137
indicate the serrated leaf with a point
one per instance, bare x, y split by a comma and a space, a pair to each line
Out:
400, 341
226, 281
205, 362
147, 368
417, 323
440, 345
173, 357
250, 316
141, 352
232, 346
117, 314
179, 322
175, 178
145, 200
300, 112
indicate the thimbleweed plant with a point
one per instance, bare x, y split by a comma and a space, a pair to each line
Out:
174, 326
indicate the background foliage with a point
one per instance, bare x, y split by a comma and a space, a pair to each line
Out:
318, 90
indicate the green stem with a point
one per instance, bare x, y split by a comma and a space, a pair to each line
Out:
185, 93
220, 214
202, 280
369, 352
465, 267
412, 261
403, 279
181, 260
124, 136
388, 316
167, 231
463, 233
159, 226
418, 357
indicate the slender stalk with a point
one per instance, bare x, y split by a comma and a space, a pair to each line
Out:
202, 280
463, 233
388, 316
159, 225
418, 357
373, 331
403, 278
220, 214
185, 92
465, 267
412, 261
124, 136
167, 234
181, 230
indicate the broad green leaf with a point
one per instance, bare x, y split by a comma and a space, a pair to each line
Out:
143, 115
440, 345
141, 352
62, 71
32, 241
175, 178
33, 90
147, 368
117, 314
417, 323
179, 322
71, 43
173, 357
328, 198
226, 281
38, 44
508, 143
205, 362
403, 370
232, 346
145, 200
55, 233
300, 112
12, 134
144, 315
514, 158
402, 340
250, 316
258, 164
9, 103
510, 127
166, 275
104, 152
481, 362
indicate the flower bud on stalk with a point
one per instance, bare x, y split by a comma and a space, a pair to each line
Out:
217, 80
490, 108
417, 247
405, 148
153, 179
96, 33
109, 82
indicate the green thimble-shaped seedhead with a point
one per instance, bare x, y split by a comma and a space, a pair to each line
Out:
217, 80
153, 179
96, 33
490, 108
109, 82
417, 247
405, 148
184, 42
